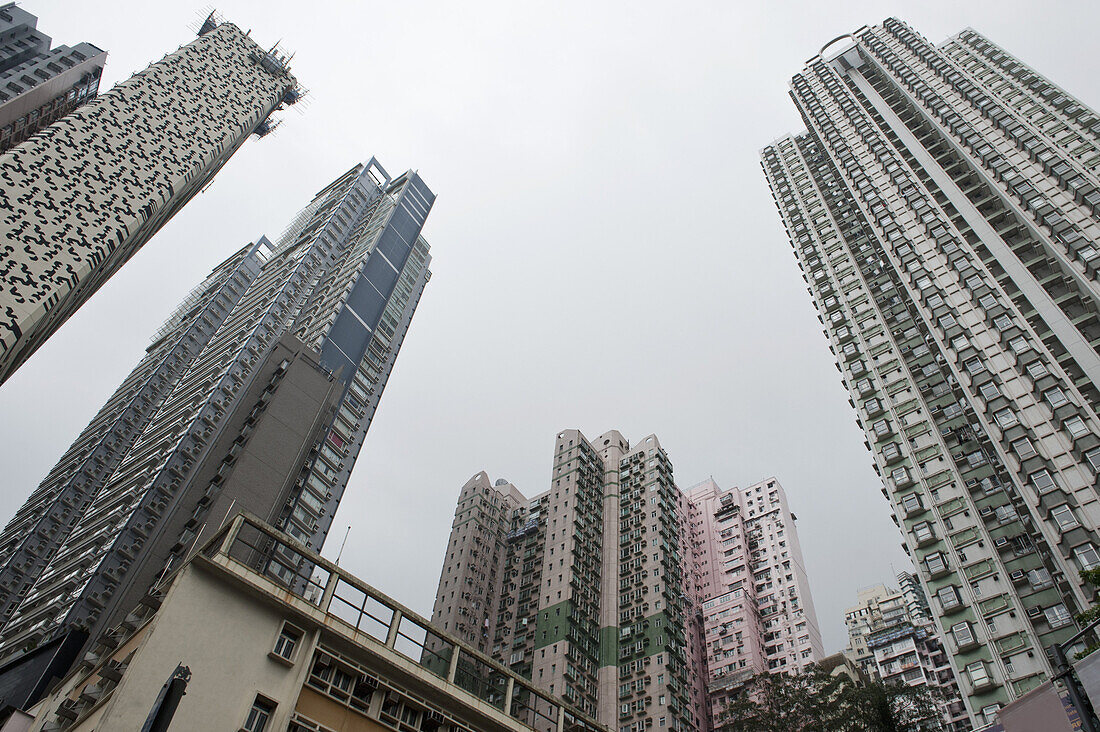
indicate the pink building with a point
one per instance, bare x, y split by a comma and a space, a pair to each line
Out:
751, 584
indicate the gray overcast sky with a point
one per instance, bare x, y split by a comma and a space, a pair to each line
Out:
606, 252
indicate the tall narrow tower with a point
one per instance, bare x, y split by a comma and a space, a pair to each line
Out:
255, 395
86, 194
944, 207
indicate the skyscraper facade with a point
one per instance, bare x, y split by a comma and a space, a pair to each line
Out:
38, 84
87, 193
583, 588
943, 208
255, 395
626, 596
751, 586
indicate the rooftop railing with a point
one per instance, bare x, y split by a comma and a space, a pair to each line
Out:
282, 560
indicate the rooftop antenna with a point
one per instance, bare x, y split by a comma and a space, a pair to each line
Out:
342, 543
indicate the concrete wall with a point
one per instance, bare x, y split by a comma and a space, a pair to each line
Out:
224, 638
266, 466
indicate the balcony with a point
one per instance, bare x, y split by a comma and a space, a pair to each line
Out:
272, 563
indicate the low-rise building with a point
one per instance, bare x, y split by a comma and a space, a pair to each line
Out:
260, 634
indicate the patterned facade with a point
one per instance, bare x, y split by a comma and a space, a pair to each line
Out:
943, 206
257, 394
624, 595
38, 84
84, 195
751, 587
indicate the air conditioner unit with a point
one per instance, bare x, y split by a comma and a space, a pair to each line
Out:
1000, 541
1034, 612
1018, 575
986, 511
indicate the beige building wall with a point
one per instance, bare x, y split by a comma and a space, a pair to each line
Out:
224, 638
358, 660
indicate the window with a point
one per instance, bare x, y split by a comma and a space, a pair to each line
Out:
975, 366
1006, 418
949, 598
911, 503
1023, 448
989, 391
1093, 458
988, 302
963, 634
287, 642
989, 713
1057, 616
1039, 578
978, 674
1087, 556
259, 715
1002, 322
1019, 344
935, 563
1055, 398
923, 532
900, 476
1063, 516
1042, 481
1036, 370
1075, 426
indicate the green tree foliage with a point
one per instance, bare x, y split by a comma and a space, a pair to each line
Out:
815, 701
1090, 577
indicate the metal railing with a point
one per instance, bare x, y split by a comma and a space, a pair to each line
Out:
280, 559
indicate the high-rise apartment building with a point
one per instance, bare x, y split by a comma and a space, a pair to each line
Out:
640, 603
84, 195
876, 607
943, 206
891, 638
752, 588
256, 395
38, 84
583, 588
